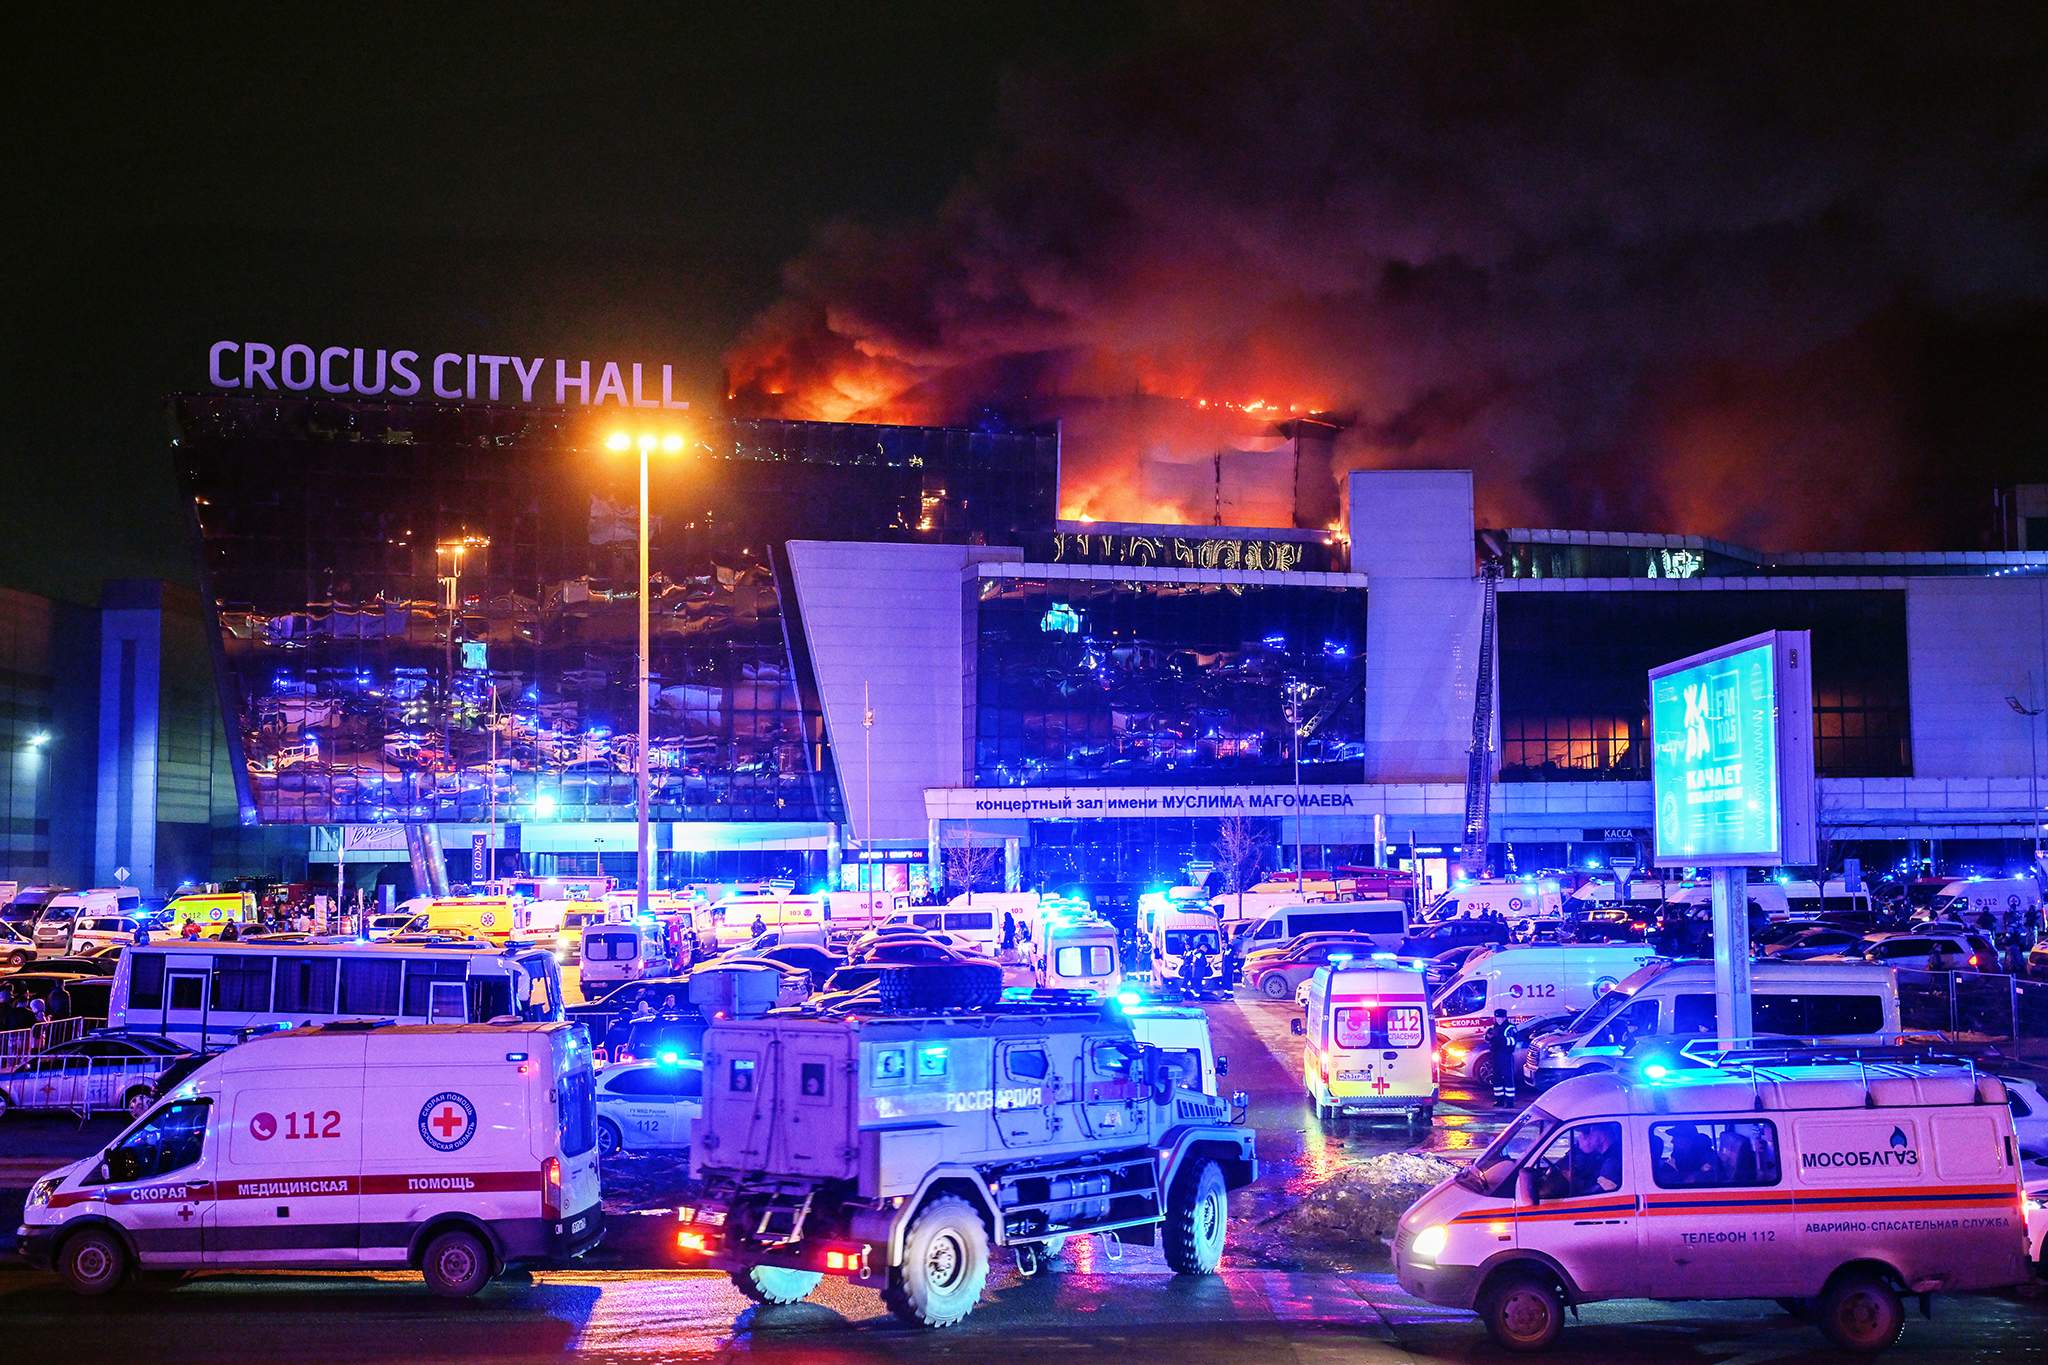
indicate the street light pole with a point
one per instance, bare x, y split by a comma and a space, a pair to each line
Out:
646, 444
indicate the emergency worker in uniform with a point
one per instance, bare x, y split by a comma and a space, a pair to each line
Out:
1500, 1054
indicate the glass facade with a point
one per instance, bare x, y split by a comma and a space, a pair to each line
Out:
429, 612
1083, 682
1574, 689
1548, 559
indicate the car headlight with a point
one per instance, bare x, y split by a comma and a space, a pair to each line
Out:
39, 1196
1429, 1243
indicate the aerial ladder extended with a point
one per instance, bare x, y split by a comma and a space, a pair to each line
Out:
1479, 763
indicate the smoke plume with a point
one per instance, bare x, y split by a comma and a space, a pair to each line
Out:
1696, 268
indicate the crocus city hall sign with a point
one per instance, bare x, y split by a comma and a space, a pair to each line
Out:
359, 372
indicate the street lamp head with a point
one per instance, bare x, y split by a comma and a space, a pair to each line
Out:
39, 739
648, 441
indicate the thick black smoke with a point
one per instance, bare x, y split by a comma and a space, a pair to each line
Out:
1714, 268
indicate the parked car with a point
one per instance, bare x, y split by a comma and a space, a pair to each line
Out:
1813, 940
64, 994
17, 949
1276, 972
382, 927
797, 956
648, 1106
94, 1073
77, 966
94, 934
2029, 1114
605, 1018
1910, 949
671, 1037
1429, 940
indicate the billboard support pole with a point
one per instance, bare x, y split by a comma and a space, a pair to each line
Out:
1731, 954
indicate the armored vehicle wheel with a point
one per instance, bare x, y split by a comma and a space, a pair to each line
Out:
1859, 1312
1197, 1217
774, 1284
940, 986
945, 1265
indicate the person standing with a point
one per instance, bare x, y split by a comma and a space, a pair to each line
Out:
1500, 1058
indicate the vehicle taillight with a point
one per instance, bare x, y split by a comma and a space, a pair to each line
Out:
551, 1188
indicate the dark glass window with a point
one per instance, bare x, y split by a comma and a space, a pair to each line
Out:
369, 988
1574, 682
305, 985
1085, 682
420, 972
242, 982
145, 980
372, 682
1714, 1155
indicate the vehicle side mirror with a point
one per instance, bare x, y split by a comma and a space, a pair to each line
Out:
1525, 1188
1296, 1027
1223, 1066
103, 1174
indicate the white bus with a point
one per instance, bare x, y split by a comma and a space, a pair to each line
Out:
205, 993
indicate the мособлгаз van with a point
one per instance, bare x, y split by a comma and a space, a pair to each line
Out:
1835, 1189
459, 1150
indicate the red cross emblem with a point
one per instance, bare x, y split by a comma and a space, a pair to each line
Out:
1379, 1085
449, 1121
185, 1213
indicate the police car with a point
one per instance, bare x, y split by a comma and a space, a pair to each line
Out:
649, 1106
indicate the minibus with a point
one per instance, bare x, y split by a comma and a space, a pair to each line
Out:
1368, 1047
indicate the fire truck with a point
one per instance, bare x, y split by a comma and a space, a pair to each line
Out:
899, 1147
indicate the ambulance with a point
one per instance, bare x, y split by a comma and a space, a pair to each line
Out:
1369, 1048
212, 911
1080, 955
1532, 981
457, 1150
1835, 1187
496, 918
613, 954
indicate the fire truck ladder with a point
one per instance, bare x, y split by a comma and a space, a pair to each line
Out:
1479, 765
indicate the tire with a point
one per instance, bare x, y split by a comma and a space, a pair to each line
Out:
945, 1265
610, 1142
940, 986
773, 1285
93, 1262
1274, 986
456, 1264
17, 959
1860, 1312
1482, 1072
138, 1100
1197, 1219
6, 1102
1522, 1311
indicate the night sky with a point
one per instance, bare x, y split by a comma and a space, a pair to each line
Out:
1756, 272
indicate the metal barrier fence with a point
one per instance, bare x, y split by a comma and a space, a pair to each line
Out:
1978, 1007
20, 1043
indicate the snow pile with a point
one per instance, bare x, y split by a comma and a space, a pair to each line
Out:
1361, 1206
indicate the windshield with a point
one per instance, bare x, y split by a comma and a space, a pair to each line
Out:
1179, 941
1945, 905
1599, 1012
1507, 1152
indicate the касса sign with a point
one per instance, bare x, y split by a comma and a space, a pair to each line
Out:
362, 372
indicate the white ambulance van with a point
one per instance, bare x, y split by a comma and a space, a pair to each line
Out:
459, 1150
1516, 900
1965, 899
1834, 1189
1080, 955
1850, 1003
1368, 1047
613, 954
1531, 981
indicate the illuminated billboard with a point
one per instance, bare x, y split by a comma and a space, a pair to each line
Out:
1732, 754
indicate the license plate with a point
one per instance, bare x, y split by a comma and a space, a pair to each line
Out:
1351, 1075
714, 1217
577, 1226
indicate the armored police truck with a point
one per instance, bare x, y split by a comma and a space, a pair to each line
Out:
899, 1146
